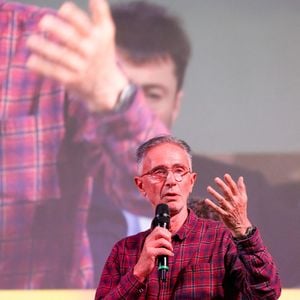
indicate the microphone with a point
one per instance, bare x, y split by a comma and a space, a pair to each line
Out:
162, 219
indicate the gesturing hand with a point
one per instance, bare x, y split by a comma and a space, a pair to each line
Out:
232, 201
158, 242
78, 50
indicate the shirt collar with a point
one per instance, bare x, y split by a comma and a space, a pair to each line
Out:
187, 226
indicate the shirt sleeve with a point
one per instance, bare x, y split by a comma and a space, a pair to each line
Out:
254, 270
114, 285
112, 139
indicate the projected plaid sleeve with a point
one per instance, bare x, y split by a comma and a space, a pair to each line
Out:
49, 150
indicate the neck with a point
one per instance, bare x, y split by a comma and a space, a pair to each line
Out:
177, 221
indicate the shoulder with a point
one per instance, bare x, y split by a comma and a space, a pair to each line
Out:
28, 14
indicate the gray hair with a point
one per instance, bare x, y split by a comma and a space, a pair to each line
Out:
158, 140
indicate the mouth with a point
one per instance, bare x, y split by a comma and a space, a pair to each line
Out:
170, 195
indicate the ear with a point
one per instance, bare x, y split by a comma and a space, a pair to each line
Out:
177, 105
140, 185
193, 180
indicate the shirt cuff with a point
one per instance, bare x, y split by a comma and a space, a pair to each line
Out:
136, 287
252, 244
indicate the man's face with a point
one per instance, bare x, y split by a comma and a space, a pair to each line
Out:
159, 84
168, 190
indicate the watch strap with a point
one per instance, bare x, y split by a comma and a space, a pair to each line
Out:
126, 97
249, 232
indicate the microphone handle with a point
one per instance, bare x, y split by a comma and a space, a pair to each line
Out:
163, 266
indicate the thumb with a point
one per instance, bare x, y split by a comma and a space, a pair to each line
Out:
100, 11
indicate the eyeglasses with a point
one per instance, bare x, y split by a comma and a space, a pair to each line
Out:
161, 173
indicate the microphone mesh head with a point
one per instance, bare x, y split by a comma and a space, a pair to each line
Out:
162, 216
162, 210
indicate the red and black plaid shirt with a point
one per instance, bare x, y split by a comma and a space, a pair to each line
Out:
49, 150
207, 264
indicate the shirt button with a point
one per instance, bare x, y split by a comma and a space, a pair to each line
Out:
240, 247
140, 290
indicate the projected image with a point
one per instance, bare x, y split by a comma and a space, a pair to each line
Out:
78, 98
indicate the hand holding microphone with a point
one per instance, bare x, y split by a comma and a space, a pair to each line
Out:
157, 247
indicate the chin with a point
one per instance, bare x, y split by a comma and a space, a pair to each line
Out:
173, 207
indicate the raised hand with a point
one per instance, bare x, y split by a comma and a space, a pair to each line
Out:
78, 50
232, 204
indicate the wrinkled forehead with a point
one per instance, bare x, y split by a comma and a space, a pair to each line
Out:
166, 154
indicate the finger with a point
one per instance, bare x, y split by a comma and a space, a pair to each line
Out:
48, 69
160, 232
162, 251
101, 17
100, 11
225, 189
222, 202
162, 243
75, 17
231, 183
215, 207
62, 32
54, 53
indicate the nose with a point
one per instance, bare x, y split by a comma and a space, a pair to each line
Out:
170, 179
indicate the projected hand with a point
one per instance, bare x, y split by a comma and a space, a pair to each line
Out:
78, 50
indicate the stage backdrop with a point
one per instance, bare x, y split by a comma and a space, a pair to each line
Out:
241, 106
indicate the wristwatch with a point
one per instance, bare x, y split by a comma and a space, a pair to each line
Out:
249, 232
126, 97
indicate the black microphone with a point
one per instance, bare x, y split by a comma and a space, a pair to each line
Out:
162, 219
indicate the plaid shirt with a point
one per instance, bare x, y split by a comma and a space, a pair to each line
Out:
50, 149
207, 264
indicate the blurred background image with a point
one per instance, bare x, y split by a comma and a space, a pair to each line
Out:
238, 109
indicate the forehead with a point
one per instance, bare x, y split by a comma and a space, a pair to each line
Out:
154, 71
166, 155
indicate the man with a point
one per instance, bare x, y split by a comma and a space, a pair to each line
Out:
206, 259
62, 121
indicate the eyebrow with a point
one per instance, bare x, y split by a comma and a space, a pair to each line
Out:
154, 86
175, 165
